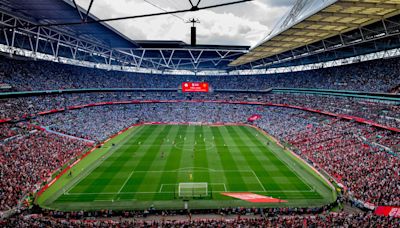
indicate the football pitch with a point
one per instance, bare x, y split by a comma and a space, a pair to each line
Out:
144, 167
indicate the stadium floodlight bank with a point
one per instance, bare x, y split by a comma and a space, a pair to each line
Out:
193, 190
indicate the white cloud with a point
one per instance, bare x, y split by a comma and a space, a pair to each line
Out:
242, 24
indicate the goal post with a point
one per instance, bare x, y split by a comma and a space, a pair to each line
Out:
193, 189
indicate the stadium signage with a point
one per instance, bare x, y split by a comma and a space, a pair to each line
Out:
188, 87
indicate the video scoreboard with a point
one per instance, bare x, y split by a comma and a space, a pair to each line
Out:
188, 87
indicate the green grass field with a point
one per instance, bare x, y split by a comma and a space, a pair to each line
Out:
148, 162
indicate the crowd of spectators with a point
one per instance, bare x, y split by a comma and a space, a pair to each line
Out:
369, 173
9, 131
97, 123
29, 158
362, 158
373, 76
322, 220
386, 114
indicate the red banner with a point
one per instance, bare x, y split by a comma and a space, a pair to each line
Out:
388, 211
195, 87
252, 198
254, 118
5, 120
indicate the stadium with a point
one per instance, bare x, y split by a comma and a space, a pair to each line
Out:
200, 113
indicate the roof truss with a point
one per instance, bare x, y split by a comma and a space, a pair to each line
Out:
53, 42
334, 20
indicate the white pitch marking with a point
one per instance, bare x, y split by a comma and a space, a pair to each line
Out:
96, 165
259, 181
189, 169
162, 186
123, 193
126, 181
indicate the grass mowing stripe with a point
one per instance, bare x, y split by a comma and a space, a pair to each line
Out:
260, 171
283, 170
174, 155
109, 177
162, 148
298, 181
150, 154
214, 161
250, 159
93, 164
106, 173
266, 172
127, 179
227, 156
287, 175
186, 147
284, 180
303, 182
200, 156
235, 182
98, 165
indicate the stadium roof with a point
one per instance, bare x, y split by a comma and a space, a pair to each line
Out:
114, 48
316, 20
50, 11
313, 31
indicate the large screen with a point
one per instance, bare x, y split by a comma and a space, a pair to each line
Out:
188, 87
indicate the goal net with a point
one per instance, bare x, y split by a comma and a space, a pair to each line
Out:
193, 189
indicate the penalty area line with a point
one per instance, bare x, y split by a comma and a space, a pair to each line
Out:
126, 181
262, 186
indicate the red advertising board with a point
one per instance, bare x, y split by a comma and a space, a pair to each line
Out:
188, 87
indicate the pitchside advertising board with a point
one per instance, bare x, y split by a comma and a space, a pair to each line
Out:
189, 87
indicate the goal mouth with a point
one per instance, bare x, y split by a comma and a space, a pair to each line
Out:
193, 190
